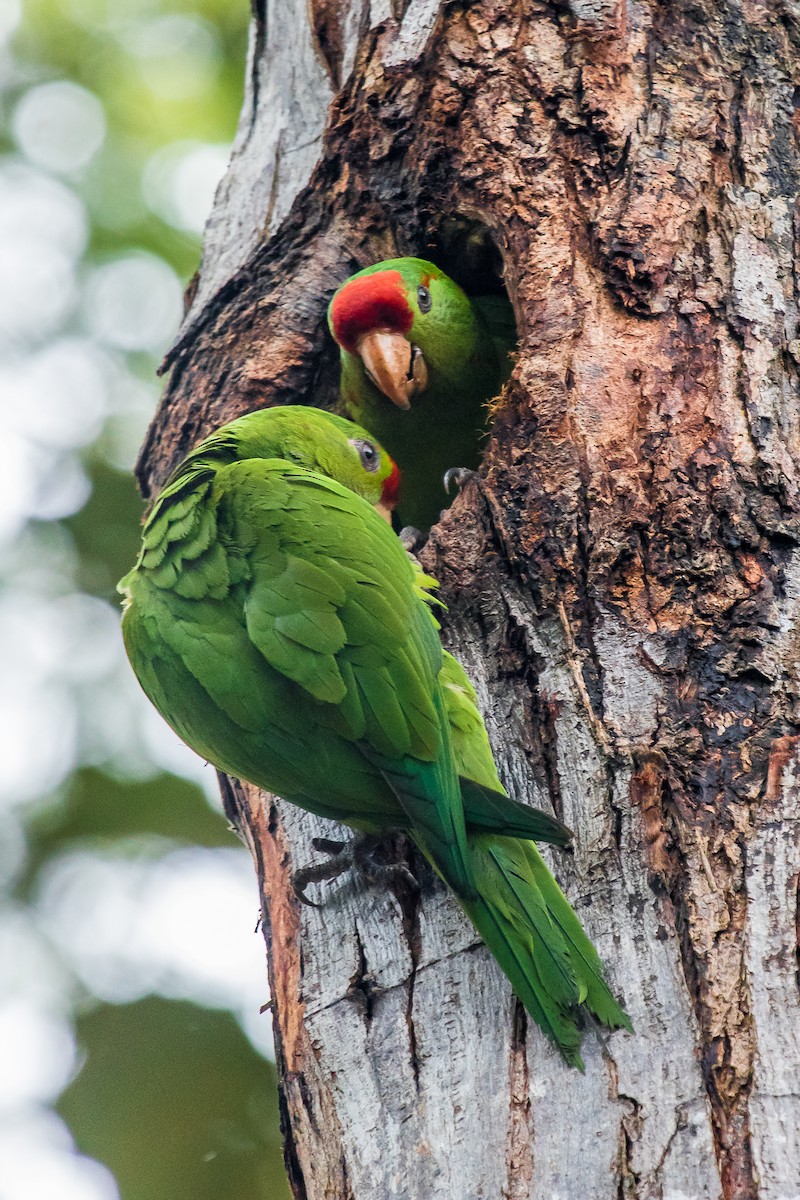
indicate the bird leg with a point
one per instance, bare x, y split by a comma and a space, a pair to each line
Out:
356, 855
377, 872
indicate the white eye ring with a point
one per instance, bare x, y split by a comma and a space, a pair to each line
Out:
424, 299
370, 458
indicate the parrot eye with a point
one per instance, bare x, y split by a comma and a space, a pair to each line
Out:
370, 458
424, 299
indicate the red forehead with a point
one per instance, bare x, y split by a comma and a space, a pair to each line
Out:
391, 487
370, 302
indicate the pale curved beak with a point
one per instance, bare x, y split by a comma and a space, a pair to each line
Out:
395, 366
385, 511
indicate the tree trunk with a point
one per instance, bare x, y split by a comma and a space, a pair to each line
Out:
623, 581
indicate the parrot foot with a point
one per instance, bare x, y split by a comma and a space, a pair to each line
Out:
356, 855
340, 860
458, 476
374, 871
411, 538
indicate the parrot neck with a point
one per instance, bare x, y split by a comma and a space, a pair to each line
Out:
468, 362
444, 428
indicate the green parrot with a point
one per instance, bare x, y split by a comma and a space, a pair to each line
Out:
278, 625
420, 360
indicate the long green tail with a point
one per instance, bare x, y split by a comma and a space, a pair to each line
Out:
528, 924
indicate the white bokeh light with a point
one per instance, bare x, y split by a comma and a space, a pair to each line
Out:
180, 181
38, 1053
38, 1161
37, 287
60, 393
84, 632
30, 969
62, 486
18, 461
43, 232
51, 647
135, 303
59, 125
10, 13
182, 925
33, 205
39, 725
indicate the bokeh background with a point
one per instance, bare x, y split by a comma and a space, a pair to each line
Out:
134, 1061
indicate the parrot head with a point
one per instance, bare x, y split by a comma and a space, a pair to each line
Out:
407, 323
314, 439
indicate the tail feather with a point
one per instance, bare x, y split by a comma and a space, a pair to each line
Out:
585, 959
527, 923
489, 810
531, 951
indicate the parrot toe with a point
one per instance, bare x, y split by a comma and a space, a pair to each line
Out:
458, 476
389, 873
411, 537
359, 855
340, 859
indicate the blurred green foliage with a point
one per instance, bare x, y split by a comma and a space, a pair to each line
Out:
170, 1095
186, 1080
166, 71
106, 529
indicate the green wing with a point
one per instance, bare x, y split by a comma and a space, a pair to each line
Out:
470, 740
299, 620
487, 806
332, 605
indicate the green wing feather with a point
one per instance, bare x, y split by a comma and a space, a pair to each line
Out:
512, 917
289, 609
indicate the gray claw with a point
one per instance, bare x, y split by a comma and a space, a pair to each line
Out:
458, 476
340, 860
410, 538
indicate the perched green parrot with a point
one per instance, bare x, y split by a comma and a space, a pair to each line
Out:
420, 361
278, 625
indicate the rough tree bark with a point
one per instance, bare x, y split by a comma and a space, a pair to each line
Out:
623, 582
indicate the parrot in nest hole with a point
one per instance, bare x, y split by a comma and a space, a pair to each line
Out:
420, 360
278, 625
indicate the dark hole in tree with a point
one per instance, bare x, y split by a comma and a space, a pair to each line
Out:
466, 249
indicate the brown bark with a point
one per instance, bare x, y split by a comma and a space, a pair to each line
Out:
623, 582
